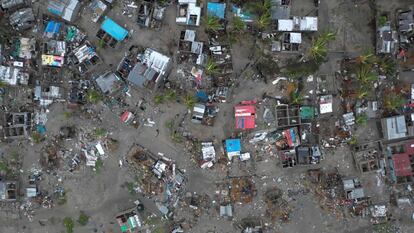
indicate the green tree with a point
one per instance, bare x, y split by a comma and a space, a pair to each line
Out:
170, 95
327, 36
393, 102
362, 92
382, 20
387, 66
353, 141
361, 119
190, 101
318, 50
238, 25
258, 8
93, 96
365, 75
296, 98
3, 84
83, 219
100, 132
212, 23
98, 165
159, 99
69, 224
211, 67
367, 58
37, 137
264, 21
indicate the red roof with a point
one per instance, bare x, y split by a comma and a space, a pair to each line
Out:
402, 165
125, 116
245, 116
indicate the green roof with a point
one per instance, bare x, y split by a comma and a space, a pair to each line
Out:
307, 112
124, 228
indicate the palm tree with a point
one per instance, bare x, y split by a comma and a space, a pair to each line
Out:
257, 7
362, 92
327, 36
2, 84
367, 58
238, 25
211, 67
387, 66
361, 119
264, 21
365, 75
190, 101
93, 96
159, 99
318, 50
170, 95
212, 23
296, 98
393, 101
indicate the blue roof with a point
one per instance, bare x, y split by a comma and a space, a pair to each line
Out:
216, 9
233, 145
52, 27
113, 29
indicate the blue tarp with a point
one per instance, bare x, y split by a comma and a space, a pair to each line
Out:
245, 16
52, 27
202, 96
113, 29
41, 129
233, 145
216, 9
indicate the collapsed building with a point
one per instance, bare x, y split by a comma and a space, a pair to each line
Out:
22, 19
151, 69
13, 76
160, 177
16, 125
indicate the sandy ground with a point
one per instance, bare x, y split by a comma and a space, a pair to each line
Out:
101, 195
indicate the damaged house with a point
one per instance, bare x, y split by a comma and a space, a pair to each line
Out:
66, 9
22, 19
368, 157
13, 76
46, 96
288, 42
190, 50
280, 9
287, 115
12, 4
84, 58
386, 39
8, 190
23, 49
298, 24
98, 8
208, 155
150, 70
110, 84
188, 13
396, 127
16, 125
245, 116
400, 161
129, 220
54, 53
111, 33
